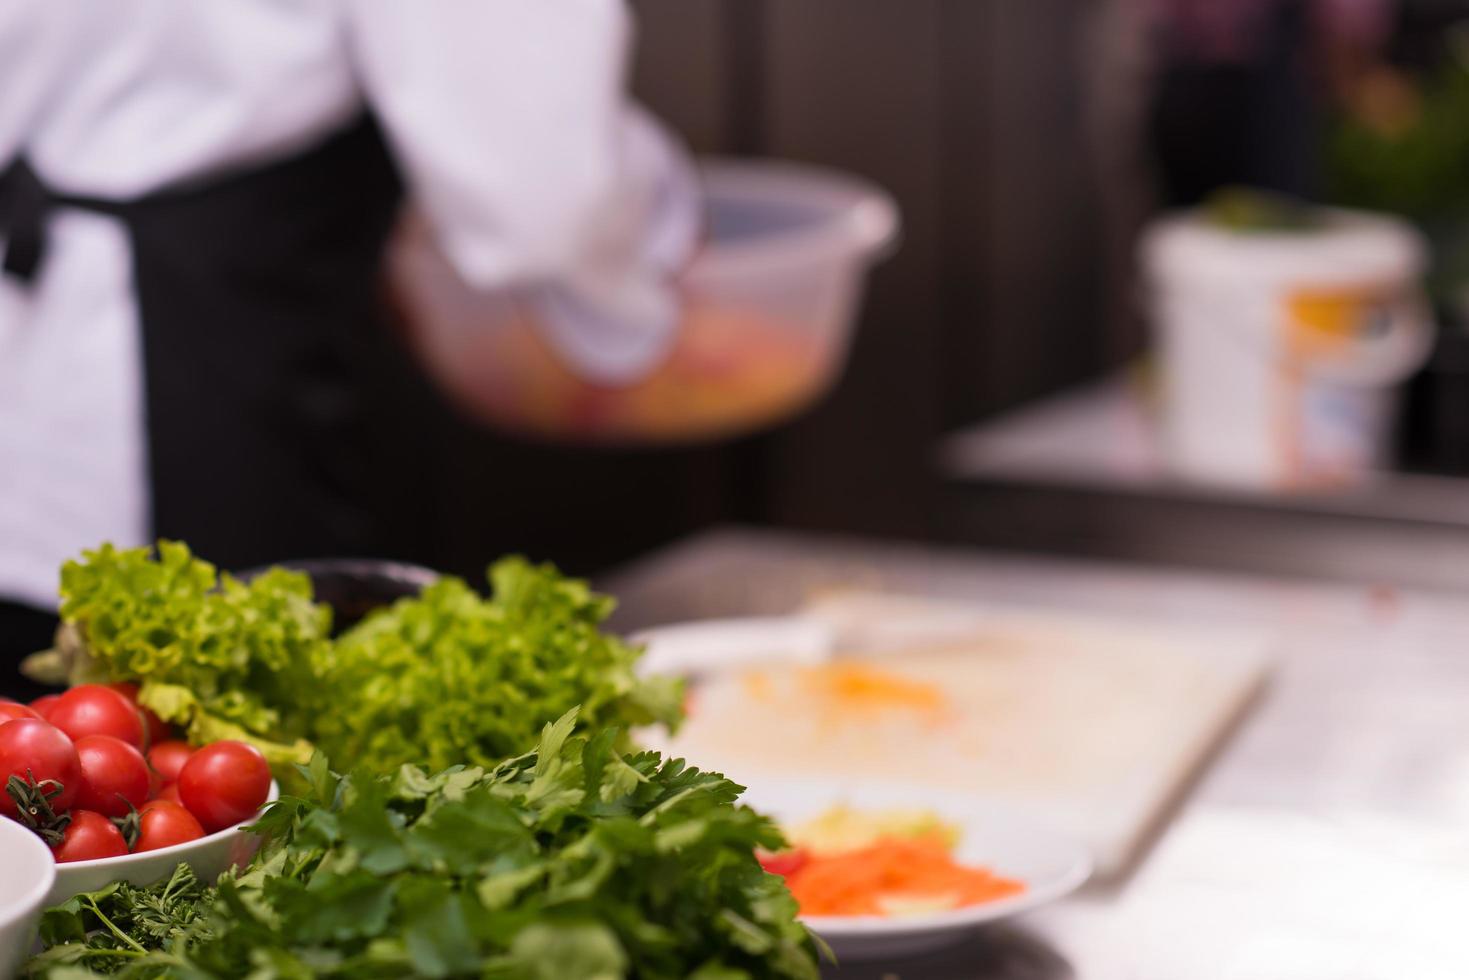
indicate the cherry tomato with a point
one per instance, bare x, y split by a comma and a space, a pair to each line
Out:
154, 727
224, 783
163, 824
784, 863
89, 836
169, 792
36, 749
11, 710
43, 703
115, 777
167, 758
92, 709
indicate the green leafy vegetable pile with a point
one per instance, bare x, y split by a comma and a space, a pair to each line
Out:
570, 862
449, 677
218, 657
440, 679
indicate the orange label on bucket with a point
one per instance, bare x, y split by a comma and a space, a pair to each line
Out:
1330, 321
1320, 429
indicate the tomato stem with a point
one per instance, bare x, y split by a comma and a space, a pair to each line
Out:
33, 805
130, 824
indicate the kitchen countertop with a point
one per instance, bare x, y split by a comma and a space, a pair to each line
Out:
1082, 472
1329, 838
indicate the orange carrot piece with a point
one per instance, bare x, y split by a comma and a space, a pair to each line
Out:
921, 869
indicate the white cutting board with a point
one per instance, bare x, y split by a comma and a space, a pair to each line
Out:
1093, 724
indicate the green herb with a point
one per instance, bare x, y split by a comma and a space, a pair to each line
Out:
1246, 209
573, 862
1413, 161
124, 929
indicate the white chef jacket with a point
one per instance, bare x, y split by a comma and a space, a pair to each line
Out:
507, 117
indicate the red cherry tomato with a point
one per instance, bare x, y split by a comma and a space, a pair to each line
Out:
163, 824
154, 728
115, 777
11, 710
224, 783
167, 758
170, 792
92, 709
34, 749
43, 703
784, 863
89, 836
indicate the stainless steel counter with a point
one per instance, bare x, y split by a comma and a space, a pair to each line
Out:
1082, 473
1328, 839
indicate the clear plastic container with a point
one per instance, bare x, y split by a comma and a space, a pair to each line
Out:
785, 265
792, 243
771, 300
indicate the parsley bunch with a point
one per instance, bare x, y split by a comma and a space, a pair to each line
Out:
572, 862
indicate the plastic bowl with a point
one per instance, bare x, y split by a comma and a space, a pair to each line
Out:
770, 303
790, 245
209, 856
27, 873
773, 297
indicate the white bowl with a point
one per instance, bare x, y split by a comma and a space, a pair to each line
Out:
28, 874
209, 856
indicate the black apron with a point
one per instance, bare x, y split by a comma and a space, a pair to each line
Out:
285, 418
270, 371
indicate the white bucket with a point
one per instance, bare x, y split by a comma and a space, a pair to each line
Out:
1282, 352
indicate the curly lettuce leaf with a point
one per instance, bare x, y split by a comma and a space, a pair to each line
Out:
449, 677
211, 653
178, 706
445, 678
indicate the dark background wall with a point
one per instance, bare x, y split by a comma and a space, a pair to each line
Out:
971, 113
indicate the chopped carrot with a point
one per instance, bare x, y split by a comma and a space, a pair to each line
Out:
916, 873
862, 687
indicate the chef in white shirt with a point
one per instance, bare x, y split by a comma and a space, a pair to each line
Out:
194, 199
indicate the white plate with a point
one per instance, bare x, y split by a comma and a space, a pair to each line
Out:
1009, 842
209, 856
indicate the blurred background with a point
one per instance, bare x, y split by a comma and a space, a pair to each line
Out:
1040, 365
1154, 309
1165, 280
